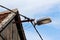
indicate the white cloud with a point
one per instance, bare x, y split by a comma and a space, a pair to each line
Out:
33, 7
30, 7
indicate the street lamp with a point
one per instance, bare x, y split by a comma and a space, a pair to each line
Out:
40, 22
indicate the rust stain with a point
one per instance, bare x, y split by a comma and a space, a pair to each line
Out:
3, 16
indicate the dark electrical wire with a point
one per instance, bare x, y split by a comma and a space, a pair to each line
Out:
37, 31
13, 11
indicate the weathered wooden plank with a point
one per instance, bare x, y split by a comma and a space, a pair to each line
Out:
10, 33
7, 19
0, 38
15, 33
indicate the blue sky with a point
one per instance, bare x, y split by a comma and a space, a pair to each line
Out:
38, 9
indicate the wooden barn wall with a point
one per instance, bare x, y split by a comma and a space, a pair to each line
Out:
10, 32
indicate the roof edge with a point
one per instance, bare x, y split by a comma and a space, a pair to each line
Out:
15, 10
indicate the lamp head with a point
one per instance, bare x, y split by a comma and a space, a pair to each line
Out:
43, 21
